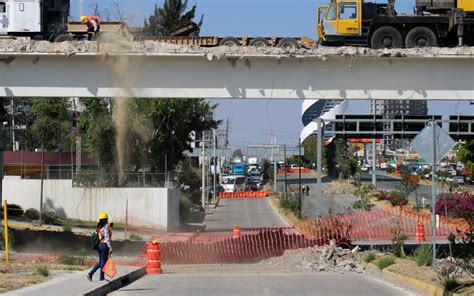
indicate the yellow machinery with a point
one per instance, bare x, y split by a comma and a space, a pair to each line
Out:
367, 23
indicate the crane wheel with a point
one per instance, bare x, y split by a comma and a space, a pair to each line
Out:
230, 41
259, 42
288, 43
386, 37
421, 37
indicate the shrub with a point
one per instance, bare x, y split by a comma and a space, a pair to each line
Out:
43, 270
424, 255
52, 219
398, 240
385, 262
291, 204
448, 282
32, 214
397, 199
457, 205
135, 237
13, 210
363, 193
67, 227
70, 260
369, 257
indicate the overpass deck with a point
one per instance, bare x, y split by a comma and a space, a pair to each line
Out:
151, 69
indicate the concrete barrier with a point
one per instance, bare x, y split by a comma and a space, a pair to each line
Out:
159, 206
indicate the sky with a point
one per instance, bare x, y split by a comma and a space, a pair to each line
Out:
257, 122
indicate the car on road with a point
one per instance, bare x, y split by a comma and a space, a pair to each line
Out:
459, 180
253, 185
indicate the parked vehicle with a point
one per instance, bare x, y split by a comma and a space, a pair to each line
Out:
459, 179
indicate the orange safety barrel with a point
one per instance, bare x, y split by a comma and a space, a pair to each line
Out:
153, 258
420, 232
237, 231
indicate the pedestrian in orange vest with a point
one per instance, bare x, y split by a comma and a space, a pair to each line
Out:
101, 241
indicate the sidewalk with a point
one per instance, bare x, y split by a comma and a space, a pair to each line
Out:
75, 284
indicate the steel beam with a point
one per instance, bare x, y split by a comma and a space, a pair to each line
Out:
196, 76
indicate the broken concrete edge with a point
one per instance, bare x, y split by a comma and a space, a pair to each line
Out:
117, 283
408, 282
232, 56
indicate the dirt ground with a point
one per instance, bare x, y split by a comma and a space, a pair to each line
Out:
426, 274
19, 273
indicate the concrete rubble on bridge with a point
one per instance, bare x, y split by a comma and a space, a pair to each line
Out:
157, 48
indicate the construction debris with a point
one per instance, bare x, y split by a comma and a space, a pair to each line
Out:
214, 53
318, 259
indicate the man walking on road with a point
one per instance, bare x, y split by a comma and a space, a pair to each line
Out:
307, 190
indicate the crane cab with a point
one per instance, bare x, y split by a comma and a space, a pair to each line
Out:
340, 20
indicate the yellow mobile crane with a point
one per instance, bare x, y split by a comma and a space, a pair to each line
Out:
366, 23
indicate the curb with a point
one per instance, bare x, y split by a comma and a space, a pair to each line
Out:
117, 283
409, 282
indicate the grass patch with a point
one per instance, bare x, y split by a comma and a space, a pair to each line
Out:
369, 257
70, 260
135, 237
385, 262
67, 227
423, 255
42, 270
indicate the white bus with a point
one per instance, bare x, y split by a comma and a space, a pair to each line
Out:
234, 183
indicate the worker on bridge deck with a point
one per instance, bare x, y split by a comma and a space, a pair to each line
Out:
93, 25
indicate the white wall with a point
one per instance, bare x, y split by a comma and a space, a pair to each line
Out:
159, 206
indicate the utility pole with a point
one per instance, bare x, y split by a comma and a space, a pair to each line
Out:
42, 178
300, 198
374, 151
319, 166
433, 193
286, 173
214, 193
227, 135
275, 167
203, 163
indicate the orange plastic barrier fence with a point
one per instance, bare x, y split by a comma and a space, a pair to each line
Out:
295, 171
245, 194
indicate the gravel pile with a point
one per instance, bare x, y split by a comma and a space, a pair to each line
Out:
157, 48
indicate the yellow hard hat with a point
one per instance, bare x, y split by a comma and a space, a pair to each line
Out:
103, 215
83, 19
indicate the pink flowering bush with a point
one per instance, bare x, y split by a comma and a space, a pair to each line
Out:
457, 205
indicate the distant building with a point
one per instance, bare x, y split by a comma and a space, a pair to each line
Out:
325, 109
390, 108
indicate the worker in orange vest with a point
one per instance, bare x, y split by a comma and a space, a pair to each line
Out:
92, 23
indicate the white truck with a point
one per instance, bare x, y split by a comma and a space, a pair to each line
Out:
44, 20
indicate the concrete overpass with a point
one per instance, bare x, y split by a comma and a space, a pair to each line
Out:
59, 71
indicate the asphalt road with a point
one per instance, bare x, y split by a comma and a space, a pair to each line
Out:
260, 284
248, 213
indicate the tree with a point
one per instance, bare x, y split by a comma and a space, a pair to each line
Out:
51, 125
162, 127
98, 132
465, 154
310, 149
170, 17
329, 154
